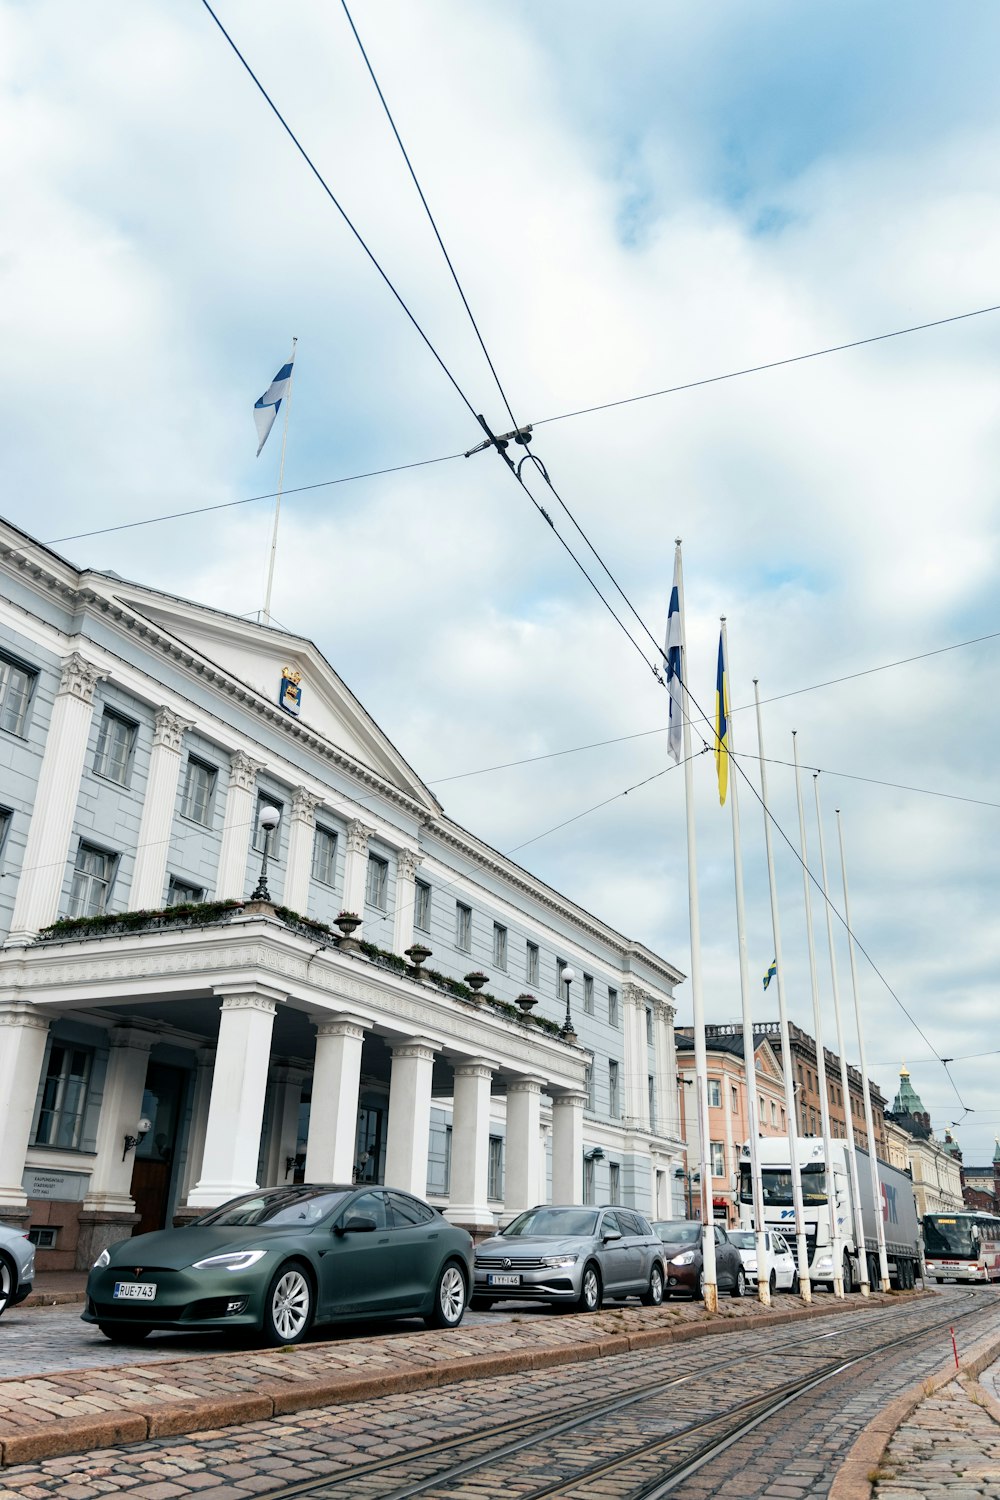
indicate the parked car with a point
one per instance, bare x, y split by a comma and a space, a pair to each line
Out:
17, 1266
281, 1259
783, 1276
681, 1240
574, 1256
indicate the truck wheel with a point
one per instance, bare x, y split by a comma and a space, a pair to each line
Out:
848, 1276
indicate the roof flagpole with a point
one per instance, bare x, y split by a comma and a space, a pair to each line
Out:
281, 481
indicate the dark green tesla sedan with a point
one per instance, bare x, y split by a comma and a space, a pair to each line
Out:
281, 1259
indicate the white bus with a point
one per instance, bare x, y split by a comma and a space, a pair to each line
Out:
962, 1246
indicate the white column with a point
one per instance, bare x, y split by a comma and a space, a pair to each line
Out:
301, 835
667, 1101
23, 1030
525, 1158
40, 884
567, 1147
284, 1134
239, 1083
408, 1134
333, 1113
356, 867
470, 1144
634, 1061
198, 1125
544, 1134
121, 1109
237, 828
406, 869
150, 874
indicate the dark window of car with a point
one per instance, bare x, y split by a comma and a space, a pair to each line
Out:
368, 1206
629, 1223
720, 1236
553, 1221
679, 1231
611, 1224
290, 1205
407, 1211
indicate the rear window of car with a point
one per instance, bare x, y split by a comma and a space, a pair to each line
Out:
678, 1231
291, 1206
553, 1221
743, 1239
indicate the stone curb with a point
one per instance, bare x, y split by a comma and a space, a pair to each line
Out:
852, 1482
57, 1437
52, 1299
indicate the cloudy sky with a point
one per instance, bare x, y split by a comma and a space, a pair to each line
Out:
635, 197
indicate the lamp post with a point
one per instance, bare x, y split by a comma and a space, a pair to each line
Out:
268, 821
688, 1178
567, 1033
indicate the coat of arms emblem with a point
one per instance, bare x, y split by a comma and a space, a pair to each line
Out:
290, 697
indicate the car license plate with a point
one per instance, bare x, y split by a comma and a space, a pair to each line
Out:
135, 1291
505, 1280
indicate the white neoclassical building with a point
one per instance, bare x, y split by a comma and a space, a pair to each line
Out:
167, 1042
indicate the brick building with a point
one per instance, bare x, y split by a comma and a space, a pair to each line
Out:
807, 1098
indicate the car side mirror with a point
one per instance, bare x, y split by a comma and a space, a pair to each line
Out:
356, 1225
609, 1235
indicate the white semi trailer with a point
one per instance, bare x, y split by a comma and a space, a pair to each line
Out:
819, 1178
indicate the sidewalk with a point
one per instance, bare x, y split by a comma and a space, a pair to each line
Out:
73, 1412
51, 1288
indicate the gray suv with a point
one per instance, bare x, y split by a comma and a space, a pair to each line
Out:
574, 1255
17, 1266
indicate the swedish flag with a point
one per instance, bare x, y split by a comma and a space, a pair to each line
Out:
771, 973
722, 724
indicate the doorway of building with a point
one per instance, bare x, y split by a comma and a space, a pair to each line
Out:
162, 1102
369, 1150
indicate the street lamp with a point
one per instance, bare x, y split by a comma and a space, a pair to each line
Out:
688, 1178
268, 821
567, 1033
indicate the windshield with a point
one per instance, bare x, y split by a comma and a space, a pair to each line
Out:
554, 1222
949, 1236
743, 1239
777, 1184
679, 1231
292, 1205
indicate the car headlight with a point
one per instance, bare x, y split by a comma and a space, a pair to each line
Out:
231, 1260
824, 1265
684, 1259
559, 1261
104, 1259
752, 1266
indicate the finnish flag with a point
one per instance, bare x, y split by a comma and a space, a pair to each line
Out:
266, 409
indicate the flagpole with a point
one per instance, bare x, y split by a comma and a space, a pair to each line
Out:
711, 1290
836, 1253
845, 1079
865, 1086
281, 481
749, 1051
805, 1284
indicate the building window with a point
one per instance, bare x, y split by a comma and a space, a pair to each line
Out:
439, 1161
266, 835
531, 963
651, 1096
16, 684
589, 1085
64, 1097
93, 877
463, 927
612, 1007
560, 966
183, 893
115, 742
421, 906
784, 1120
499, 946
614, 1103
494, 1185
763, 1111
199, 790
714, 1093
718, 1164
324, 865
774, 1113
734, 1094
377, 882
614, 1182
589, 1183
5, 817
588, 994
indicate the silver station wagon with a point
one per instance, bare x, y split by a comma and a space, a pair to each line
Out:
574, 1256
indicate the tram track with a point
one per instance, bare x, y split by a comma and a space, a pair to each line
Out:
658, 1464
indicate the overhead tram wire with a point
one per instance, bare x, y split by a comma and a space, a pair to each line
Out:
515, 470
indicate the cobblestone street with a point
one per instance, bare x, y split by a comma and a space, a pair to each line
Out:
950, 1448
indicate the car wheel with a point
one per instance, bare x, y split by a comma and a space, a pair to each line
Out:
449, 1299
125, 1333
654, 1295
288, 1306
699, 1294
772, 1283
8, 1282
591, 1292
740, 1284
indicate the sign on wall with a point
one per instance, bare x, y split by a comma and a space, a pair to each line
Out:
63, 1187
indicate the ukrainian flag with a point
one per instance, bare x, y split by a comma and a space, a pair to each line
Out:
771, 973
722, 724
